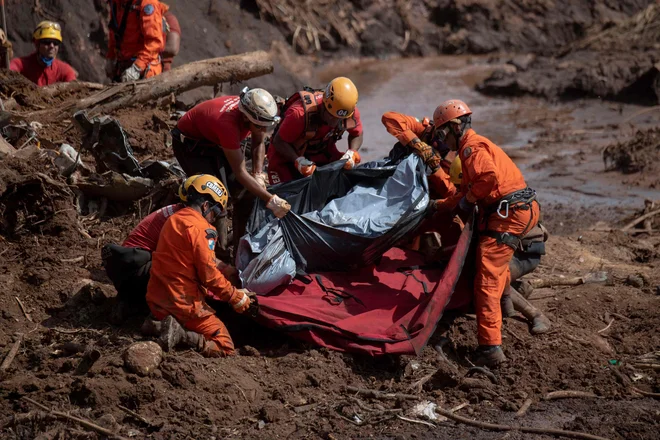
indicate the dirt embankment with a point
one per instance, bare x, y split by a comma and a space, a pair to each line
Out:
638, 158
373, 28
620, 62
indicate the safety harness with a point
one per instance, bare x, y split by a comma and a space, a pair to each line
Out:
313, 122
518, 200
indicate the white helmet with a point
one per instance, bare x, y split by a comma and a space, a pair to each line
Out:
259, 106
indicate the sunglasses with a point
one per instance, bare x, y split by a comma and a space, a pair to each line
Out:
49, 42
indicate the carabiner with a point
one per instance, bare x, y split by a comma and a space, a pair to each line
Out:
506, 211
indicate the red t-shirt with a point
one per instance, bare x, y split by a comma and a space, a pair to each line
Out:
40, 74
293, 123
217, 120
173, 24
145, 235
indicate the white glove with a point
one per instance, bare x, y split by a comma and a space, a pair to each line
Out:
133, 73
279, 206
244, 303
352, 158
305, 166
261, 178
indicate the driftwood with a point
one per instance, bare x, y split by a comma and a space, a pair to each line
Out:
568, 394
380, 394
70, 87
494, 427
85, 423
12, 353
187, 77
640, 219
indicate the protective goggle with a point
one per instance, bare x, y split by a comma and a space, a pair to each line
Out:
50, 25
440, 133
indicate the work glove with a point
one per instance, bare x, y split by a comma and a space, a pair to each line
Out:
464, 209
244, 300
352, 158
305, 166
133, 73
261, 178
280, 207
425, 152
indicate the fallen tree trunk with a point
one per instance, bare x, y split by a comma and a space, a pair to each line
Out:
187, 77
73, 86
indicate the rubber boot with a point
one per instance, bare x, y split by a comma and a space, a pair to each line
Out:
490, 356
506, 304
173, 334
540, 324
151, 326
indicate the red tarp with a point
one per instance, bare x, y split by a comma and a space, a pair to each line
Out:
375, 310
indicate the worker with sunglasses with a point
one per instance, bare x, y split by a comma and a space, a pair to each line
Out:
507, 211
42, 66
184, 274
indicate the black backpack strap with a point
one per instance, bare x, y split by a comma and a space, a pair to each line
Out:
338, 295
120, 28
408, 271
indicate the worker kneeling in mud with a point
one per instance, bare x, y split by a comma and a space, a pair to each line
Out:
208, 139
184, 272
128, 265
508, 210
313, 122
410, 131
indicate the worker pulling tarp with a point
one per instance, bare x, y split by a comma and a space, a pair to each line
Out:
329, 273
340, 220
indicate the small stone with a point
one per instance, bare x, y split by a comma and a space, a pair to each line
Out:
107, 421
261, 424
143, 357
249, 351
635, 280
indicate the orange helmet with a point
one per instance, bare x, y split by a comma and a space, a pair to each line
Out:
340, 97
450, 111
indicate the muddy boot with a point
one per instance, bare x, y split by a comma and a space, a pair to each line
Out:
540, 324
171, 333
490, 356
506, 304
151, 326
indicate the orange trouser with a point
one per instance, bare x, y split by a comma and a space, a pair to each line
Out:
493, 275
215, 332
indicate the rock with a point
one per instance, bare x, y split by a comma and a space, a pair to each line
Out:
521, 63
107, 421
143, 357
635, 280
249, 351
272, 412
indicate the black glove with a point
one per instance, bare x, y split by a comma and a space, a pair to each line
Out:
464, 209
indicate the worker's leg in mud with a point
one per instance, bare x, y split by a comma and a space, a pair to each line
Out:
539, 322
207, 335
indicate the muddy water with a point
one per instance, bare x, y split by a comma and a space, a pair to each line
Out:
566, 167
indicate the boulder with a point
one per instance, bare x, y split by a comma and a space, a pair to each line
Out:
143, 357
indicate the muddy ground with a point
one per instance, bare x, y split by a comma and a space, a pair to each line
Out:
279, 387
584, 162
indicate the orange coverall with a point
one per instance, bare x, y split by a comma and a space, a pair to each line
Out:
183, 267
143, 38
488, 175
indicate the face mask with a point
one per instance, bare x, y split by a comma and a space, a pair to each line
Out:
47, 61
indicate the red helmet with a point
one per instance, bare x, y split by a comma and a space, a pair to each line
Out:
449, 111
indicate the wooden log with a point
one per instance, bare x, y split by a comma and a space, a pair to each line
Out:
187, 77
73, 86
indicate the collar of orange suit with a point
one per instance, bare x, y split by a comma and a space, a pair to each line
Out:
464, 140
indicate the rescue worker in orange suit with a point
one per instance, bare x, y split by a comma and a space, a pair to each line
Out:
207, 139
184, 272
128, 265
508, 210
136, 40
42, 66
312, 123
525, 260
172, 37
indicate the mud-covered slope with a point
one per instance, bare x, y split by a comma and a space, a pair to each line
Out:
618, 63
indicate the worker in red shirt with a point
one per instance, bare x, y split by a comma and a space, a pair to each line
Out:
42, 66
312, 124
172, 36
128, 265
184, 274
508, 210
136, 40
207, 140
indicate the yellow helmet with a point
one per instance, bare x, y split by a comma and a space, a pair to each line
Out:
205, 184
48, 30
340, 97
456, 171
